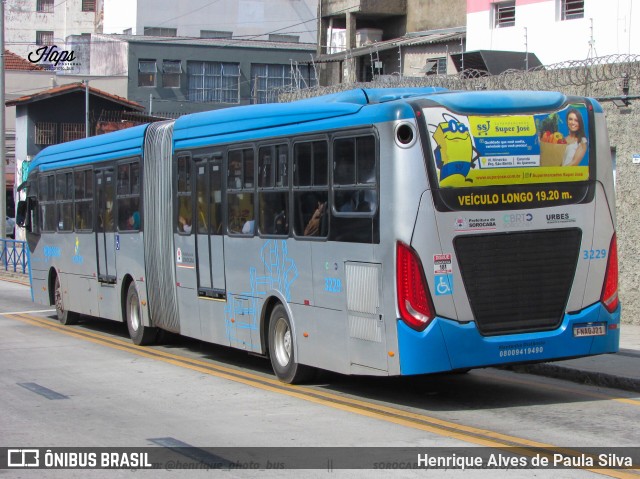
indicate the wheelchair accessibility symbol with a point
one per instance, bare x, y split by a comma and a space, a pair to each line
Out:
444, 284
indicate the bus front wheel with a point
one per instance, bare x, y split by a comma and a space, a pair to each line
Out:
65, 316
140, 334
281, 349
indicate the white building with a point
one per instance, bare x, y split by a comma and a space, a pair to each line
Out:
30, 24
207, 19
555, 30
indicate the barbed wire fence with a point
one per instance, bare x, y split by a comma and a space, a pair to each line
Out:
595, 77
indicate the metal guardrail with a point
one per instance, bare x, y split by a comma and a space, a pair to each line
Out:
14, 256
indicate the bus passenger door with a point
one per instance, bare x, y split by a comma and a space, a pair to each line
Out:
105, 230
209, 244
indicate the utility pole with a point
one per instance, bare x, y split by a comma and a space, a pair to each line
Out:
3, 151
526, 50
86, 108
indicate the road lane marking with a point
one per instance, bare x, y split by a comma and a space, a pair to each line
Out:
469, 434
29, 312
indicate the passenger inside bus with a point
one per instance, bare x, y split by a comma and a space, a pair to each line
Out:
314, 228
133, 222
184, 224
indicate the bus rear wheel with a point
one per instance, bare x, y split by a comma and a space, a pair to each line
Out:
282, 349
65, 317
140, 334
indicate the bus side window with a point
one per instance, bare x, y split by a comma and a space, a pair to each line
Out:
46, 190
83, 184
184, 220
240, 192
215, 197
129, 197
64, 200
311, 189
355, 197
273, 190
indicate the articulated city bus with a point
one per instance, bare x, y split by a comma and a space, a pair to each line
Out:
374, 232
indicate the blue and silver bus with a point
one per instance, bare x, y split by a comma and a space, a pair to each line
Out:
373, 232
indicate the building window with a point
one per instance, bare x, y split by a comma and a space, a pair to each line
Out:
171, 71
267, 79
147, 72
160, 32
215, 34
436, 66
46, 134
572, 9
504, 14
213, 82
44, 6
44, 38
72, 131
88, 5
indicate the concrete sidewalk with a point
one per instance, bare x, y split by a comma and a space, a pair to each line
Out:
620, 371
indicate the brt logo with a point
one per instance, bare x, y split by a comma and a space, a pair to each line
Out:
517, 219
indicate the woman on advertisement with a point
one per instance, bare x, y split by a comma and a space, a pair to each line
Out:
576, 139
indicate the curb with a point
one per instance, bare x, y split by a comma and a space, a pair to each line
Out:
12, 277
579, 376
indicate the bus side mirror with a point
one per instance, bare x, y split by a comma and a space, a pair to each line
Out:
21, 213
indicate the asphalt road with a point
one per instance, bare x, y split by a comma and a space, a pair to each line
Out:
88, 386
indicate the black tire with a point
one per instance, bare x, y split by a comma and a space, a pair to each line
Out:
65, 317
140, 334
282, 349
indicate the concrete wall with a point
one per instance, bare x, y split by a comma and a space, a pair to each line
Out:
623, 136
242, 17
552, 39
377, 7
425, 15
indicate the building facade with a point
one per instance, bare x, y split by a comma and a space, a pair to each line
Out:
363, 40
207, 19
32, 24
555, 30
172, 76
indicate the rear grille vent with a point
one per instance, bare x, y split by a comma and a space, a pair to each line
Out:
518, 282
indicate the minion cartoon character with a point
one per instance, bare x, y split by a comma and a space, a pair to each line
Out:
455, 154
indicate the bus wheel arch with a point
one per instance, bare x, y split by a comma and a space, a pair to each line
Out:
56, 298
140, 334
282, 348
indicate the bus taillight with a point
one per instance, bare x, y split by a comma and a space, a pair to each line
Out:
414, 301
609, 296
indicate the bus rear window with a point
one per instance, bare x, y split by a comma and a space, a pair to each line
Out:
490, 150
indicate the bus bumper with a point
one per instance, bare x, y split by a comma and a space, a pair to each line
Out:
448, 345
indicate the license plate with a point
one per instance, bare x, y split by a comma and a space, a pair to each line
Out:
595, 329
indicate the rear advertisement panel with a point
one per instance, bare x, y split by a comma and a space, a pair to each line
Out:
479, 150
